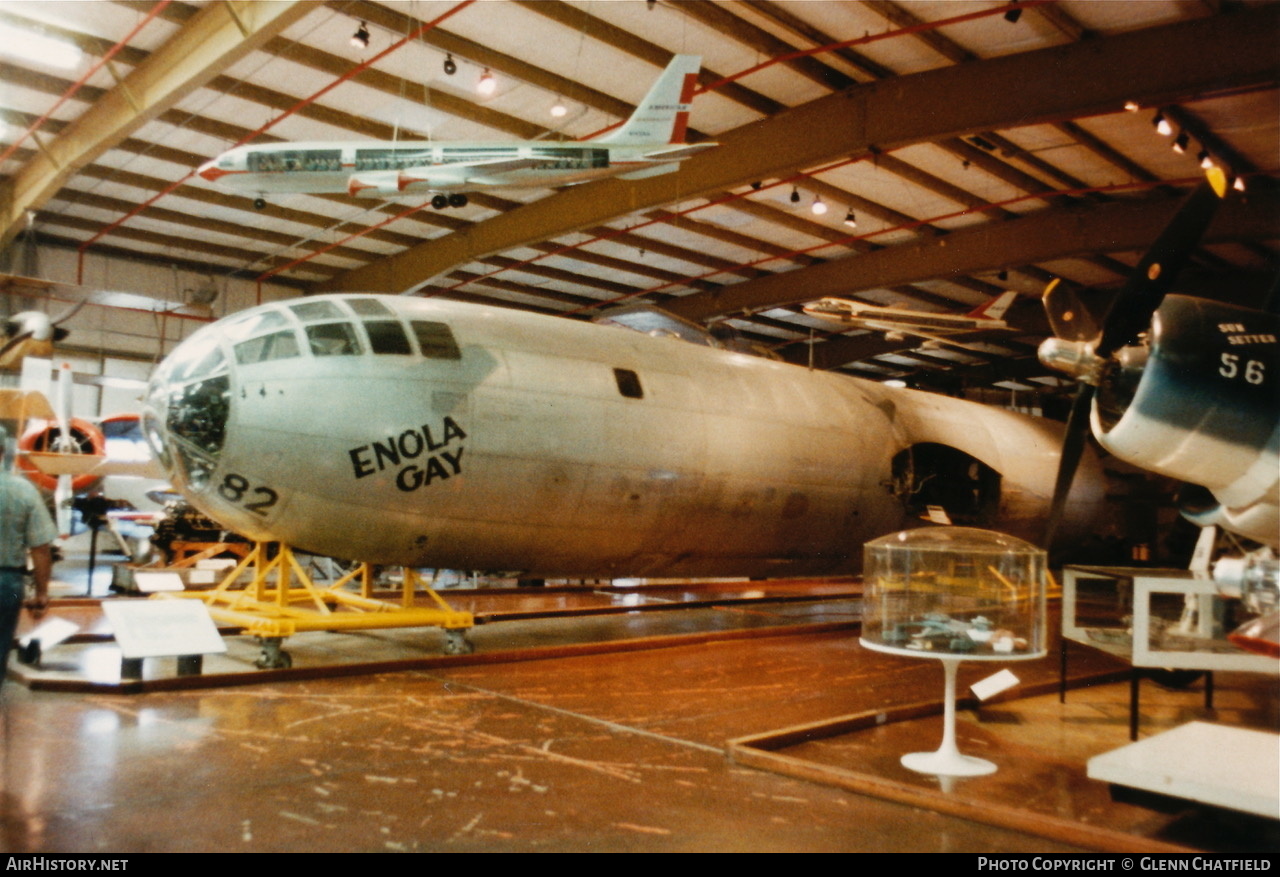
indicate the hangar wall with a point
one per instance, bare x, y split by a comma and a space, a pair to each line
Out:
115, 342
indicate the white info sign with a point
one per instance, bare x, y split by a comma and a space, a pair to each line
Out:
154, 628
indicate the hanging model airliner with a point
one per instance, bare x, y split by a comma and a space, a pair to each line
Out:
398, 430
899, 323
651, 142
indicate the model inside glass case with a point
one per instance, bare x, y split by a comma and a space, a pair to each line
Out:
976, 594
953, 594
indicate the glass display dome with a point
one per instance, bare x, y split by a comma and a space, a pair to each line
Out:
954, 591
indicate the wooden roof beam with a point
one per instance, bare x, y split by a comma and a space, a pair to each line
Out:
1235, 50
214, 39
1045, 235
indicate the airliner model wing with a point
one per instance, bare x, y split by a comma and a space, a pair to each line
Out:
677, 152
480, 173
895, 329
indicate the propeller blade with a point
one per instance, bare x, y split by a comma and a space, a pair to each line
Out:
68, 312
1072, 448
1159, 267
14, 342
63, 495
1272, 304
1068, 317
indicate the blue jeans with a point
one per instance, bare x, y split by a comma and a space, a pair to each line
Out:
11, 593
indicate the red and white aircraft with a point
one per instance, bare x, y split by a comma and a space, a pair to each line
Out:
651, 142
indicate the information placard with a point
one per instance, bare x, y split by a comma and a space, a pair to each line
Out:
153, 628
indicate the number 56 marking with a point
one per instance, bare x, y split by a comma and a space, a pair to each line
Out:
1254, 370
236, 488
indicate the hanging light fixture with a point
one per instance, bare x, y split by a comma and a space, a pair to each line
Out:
850, 220
360, 39
1205, 159
1181, 143
450, 66
819, 206
1131, 106
1013, 14
558, 109
1238, 185
487, 83
795, 195
1162, 125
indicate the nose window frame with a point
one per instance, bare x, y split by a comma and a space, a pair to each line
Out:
332, 339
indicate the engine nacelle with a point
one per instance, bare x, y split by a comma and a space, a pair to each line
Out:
379, 184
86, 439
1200, 403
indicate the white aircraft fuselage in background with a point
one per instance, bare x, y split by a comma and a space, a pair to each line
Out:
899, 322
650, 142
401, 430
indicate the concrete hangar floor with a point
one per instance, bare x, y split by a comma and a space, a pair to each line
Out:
636, 731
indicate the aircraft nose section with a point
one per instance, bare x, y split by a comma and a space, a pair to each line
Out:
187, 409
210, 171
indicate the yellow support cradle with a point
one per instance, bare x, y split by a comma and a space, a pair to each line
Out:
281, 599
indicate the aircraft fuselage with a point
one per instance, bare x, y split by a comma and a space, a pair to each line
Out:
392, 168
893, 319
651, 141
434, 433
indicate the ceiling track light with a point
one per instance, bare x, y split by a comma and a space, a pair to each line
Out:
850, 220
1181, 143
360, 39
487, 84
1162, 125
450, 66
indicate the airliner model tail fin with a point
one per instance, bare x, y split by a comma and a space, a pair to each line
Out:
994, 309
663, 116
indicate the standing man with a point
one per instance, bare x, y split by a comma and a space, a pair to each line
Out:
25, 529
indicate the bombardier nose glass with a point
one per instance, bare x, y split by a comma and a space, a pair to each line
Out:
191, 396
